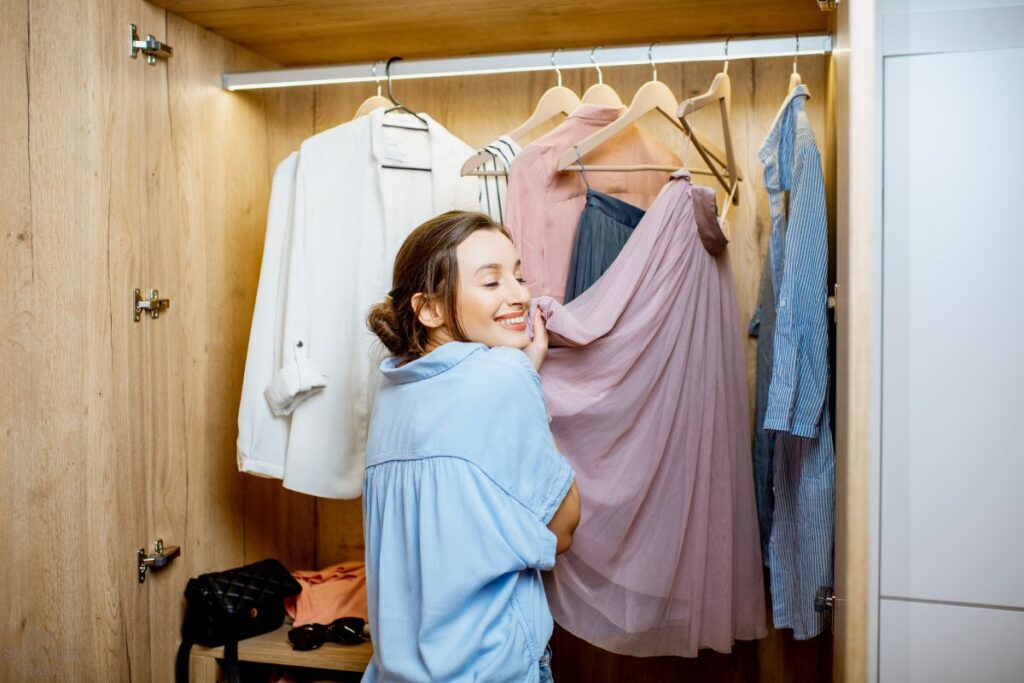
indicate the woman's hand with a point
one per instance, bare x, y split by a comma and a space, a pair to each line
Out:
537, 349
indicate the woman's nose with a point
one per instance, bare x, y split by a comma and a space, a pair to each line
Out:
519, 294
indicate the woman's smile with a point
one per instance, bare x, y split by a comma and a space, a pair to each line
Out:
515, 321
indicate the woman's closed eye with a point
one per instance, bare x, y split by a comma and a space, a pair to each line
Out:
492, 285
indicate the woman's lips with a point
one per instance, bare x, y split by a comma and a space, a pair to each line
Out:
516, 322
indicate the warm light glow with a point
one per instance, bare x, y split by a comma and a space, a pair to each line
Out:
739, 49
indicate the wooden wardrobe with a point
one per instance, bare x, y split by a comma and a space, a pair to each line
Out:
118, 175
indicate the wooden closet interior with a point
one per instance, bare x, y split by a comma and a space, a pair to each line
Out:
120, 175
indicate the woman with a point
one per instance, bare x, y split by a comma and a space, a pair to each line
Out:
466, 498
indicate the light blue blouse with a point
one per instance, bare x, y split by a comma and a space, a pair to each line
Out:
462, 477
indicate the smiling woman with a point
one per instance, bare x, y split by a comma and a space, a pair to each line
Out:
457, 277
461, 470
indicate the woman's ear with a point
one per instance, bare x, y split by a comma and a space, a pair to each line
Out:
427, 311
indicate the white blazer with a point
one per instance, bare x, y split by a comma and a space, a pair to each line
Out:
337, 218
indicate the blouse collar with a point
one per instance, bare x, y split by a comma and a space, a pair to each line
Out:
437, 361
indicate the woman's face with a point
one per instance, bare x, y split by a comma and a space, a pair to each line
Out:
493, 302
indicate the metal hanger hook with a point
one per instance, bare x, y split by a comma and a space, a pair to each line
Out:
725, 67
796, 52
650, 57
554, 66
387, 73
600, 76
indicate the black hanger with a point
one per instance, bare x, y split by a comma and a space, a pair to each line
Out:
398, 105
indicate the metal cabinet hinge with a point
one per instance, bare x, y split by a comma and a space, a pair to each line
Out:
151, 47
824, 599
160, 557
154, 304
828, 5
833, 302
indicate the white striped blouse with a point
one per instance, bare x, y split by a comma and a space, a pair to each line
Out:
494, 188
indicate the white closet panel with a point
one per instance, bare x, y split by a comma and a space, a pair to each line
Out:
952, 493
949, 643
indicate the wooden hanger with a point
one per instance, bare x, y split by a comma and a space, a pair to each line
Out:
652, 96
599, 93
374, 101
556, 100
719, 93
794, 78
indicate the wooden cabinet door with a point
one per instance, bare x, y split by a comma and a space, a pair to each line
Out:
118, 175
854, 93
79, 130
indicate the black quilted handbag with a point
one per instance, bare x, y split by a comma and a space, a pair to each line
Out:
226, 607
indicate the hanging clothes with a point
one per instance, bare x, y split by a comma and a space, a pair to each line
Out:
494, 189
605, 225
646, 388
794, 457
262, 436
353, 202
545, 205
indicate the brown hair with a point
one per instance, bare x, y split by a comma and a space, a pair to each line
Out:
427, 264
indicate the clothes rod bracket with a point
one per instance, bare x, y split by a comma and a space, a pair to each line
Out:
151, 47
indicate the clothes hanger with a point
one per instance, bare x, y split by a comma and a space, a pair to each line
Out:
794, 78
652, 96
374, 101
556, 100
398, 105
719, 93
599, 93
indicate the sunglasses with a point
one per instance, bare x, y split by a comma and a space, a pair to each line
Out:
348, 630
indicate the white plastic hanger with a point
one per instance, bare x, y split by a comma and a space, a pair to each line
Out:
556, 100
719, 93
599, 93
373, 102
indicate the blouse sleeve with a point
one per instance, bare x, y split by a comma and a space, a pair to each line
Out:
521, 456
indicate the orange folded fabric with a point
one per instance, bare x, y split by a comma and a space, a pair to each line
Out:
329, 593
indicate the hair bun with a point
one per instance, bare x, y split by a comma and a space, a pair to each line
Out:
383, 322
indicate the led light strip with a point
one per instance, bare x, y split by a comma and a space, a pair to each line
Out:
663, 53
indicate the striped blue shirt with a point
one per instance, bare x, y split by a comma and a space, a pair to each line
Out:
794, 457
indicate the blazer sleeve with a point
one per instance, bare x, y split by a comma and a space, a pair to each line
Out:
263, 437
298, 376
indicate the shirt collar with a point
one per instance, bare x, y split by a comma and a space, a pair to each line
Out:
783, 124
437, 361
596, 112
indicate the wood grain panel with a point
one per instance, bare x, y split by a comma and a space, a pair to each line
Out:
73, 610
119, 175
324, 31
215, 189
858, 195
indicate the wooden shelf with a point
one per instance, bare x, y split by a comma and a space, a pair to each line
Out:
274, 648
308, 32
